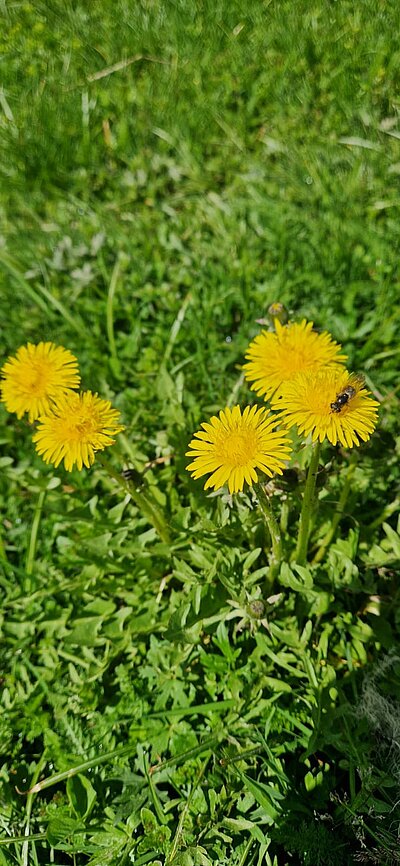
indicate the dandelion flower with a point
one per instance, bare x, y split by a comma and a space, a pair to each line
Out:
234, 445
78, 426
36, 376
276, 357
311, 401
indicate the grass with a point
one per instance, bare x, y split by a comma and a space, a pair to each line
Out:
168, 170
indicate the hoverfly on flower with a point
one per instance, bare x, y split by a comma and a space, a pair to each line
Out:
355, 383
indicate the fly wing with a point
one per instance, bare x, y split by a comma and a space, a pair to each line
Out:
357, 381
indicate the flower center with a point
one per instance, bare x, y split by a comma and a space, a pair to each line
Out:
36, 382
295, 361
238, 447
322, 392
81, 429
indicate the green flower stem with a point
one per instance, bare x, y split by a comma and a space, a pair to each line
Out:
28, 811
185, 811
141, 498
273, 529
109, 309
30, 557
388, 510
3, 555
308, 503
338, 511
284, 516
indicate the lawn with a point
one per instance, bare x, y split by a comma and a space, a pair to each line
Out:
170, 695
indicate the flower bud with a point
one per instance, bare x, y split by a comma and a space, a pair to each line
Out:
278, 312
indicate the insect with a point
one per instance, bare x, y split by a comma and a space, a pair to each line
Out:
356, 381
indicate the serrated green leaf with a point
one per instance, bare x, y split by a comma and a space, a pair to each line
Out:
61, 828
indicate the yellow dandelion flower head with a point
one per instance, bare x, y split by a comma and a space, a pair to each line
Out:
78, 426
276, 357
330, 404
35, 376
234, 445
